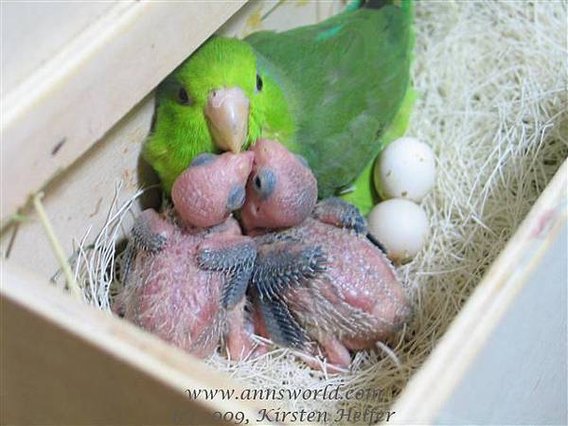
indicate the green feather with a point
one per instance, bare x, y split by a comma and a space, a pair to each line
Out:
346, 79
363, 193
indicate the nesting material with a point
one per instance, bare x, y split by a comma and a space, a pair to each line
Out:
491, 84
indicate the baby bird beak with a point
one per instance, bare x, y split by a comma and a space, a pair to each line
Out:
227, 111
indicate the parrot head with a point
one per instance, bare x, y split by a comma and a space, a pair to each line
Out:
211, 188
217, 100
281, 190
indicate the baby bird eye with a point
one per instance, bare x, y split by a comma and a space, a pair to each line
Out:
259, 83
264, 183
182, 97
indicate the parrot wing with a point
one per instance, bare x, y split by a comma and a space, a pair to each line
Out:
345, 79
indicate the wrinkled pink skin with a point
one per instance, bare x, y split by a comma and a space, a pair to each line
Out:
356, 302
168, 294
359, 299
200, 193
294, 195
166, 291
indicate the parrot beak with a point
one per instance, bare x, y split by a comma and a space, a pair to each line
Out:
227, 111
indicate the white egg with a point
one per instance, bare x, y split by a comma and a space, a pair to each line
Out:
401, 226
406, 168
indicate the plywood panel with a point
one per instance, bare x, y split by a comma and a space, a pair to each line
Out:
520, 376
80, 200
33, 32
70, 102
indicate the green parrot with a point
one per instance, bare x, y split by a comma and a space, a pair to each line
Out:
334, 92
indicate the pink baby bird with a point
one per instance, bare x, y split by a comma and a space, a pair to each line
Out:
281, 190
186, 274
322, 278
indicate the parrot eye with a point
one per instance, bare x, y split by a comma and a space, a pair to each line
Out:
259, 83
264, 183
183, 97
